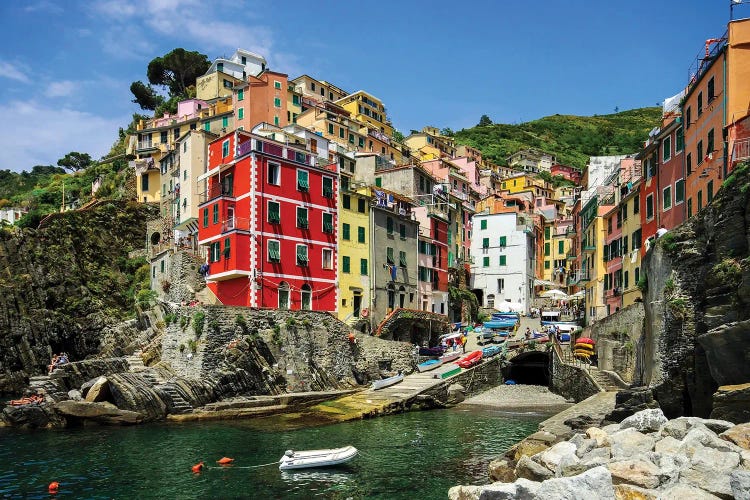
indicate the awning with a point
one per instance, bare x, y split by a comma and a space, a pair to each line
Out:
538, 282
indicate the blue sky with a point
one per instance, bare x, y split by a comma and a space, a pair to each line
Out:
66, 67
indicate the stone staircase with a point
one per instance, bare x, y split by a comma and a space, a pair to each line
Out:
603, 380
136, 361
177, 403
46, 385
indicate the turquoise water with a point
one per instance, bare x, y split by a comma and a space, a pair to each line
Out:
413, 455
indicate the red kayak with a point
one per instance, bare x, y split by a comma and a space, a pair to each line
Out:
470, 360
585, 340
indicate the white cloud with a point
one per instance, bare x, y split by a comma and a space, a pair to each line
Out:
62, 88
7, 70
45, 6
41, 134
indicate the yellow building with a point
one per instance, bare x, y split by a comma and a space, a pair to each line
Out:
215, 85
557, 243
354, 251
293, 103
367, 109
631, 257
592, 258
430, 144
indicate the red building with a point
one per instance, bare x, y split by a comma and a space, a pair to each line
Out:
670, 176
571, 173
649, 191
268, 217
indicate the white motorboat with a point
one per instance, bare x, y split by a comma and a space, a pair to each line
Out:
316, 458
379, 384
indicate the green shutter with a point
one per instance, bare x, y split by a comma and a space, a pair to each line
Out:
302, 218
207, 128
483, 224
205, 217
302, 180
503, 260
240, 114
328, 223
546, 264
345, 231
378, 182
227, 251
360, 234
302, 255
240, 94
402, 231
560, 247
389, 255
327, 187
363, 267
546, 250
546, 233
345, 264
503, 241
225, 122
273, 251
486, 262
402, 259
389, 225
216, 213
330, 128
485, 243
274, 217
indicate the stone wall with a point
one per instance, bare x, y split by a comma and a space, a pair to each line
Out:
617, 336
571, 382
184, 280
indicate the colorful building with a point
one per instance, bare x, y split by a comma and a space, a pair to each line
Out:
570, 173
225, 73
260, 99
368, 110
354, 262
268, 217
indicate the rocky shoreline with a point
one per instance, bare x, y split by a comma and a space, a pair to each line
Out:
646, 456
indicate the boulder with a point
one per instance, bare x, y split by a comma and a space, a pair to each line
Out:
594, 483
581, 422
732, 402
709, 468
495, 491
529, 469
700, 437
679, 427
456, 394
667, 444
501, 470
99, 390
585, 446
645, 421
630, 492
726, 348
599, 435
681, 491
544, 437
603, 453
75, 395
105, 413
27, 416
557, 454
629, 402
132, 392
527, 447
628, 443
637, 472
739, 481
739, 435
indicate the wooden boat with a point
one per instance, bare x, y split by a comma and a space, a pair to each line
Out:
470, 360
316, 458
448, 357
488, 352
386, 382
428, 365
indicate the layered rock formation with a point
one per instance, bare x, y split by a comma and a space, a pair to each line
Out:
64, 286
646, 456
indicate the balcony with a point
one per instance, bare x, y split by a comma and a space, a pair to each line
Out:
570, 232
740, 150
578, 277
235, 224
214, 192
614, 292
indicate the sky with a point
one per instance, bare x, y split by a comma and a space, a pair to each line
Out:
66, 66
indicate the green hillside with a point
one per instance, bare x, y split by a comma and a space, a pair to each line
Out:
572, 139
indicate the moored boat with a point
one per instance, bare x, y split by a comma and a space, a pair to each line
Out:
316, 458
428, 365
447, 371
489, 351
386, 382
448, 357
470, 360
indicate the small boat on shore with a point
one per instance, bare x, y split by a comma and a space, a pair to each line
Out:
470, 360
387, 382
431, 364
447, 371
489, 351
431, 351
316, 458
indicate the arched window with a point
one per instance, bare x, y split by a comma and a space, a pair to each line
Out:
491, 300
283, 295
401, 296
306, 297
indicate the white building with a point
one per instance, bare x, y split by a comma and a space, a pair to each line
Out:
10, 215
242, 64
503, 255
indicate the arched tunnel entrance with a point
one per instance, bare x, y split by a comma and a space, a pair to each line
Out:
530, 368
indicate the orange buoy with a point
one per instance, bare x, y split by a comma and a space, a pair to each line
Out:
53, 487
197, 467
352, 338
225, 461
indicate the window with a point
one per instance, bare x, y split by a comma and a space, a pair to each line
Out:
700, 103
215, 251
346, 231
312, 86
224, 122
274, 173
276, 102
483, 224
240, 94
649, 207
327, 258
225, 149
205, 217
710, 143
546, 232
274, 212
346, 201
546, 264
327, 187
711, 90
710, 191
330, 128
301, 255
389, 226
690, 208
378, 182
625, 283
276, 84
503, 241
503, 260
144, 182
560, 247
666, 151
679, 141
486, 262
636, 239
227, 249
624, 245
688, 116
500, 285
274, 251
402, 231
699, 151
351, 138
303, 180
546, 250
283, 295
341, 132
161, 270
402, 259
302, 218
700, 200
679, 191
241, 113
363, 267
360, 234
636, 204
637, 275
689, 163
361, 206
346, 264
485, 243
216, 213
389, 255
327, 223
667, 198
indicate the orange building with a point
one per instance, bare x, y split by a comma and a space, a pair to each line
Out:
261, 98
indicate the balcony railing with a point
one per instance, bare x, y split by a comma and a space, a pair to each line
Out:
614, 292
577, 277
215, 192
741, 150
235, 224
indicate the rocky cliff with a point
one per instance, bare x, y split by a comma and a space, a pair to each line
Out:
67, 286
697, 303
